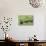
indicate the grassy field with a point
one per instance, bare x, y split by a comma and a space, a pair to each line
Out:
25, 20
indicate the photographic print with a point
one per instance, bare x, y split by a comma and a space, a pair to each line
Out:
25, 20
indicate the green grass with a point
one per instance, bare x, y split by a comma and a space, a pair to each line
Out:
25, 20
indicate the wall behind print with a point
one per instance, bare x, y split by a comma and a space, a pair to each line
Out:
13, 8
